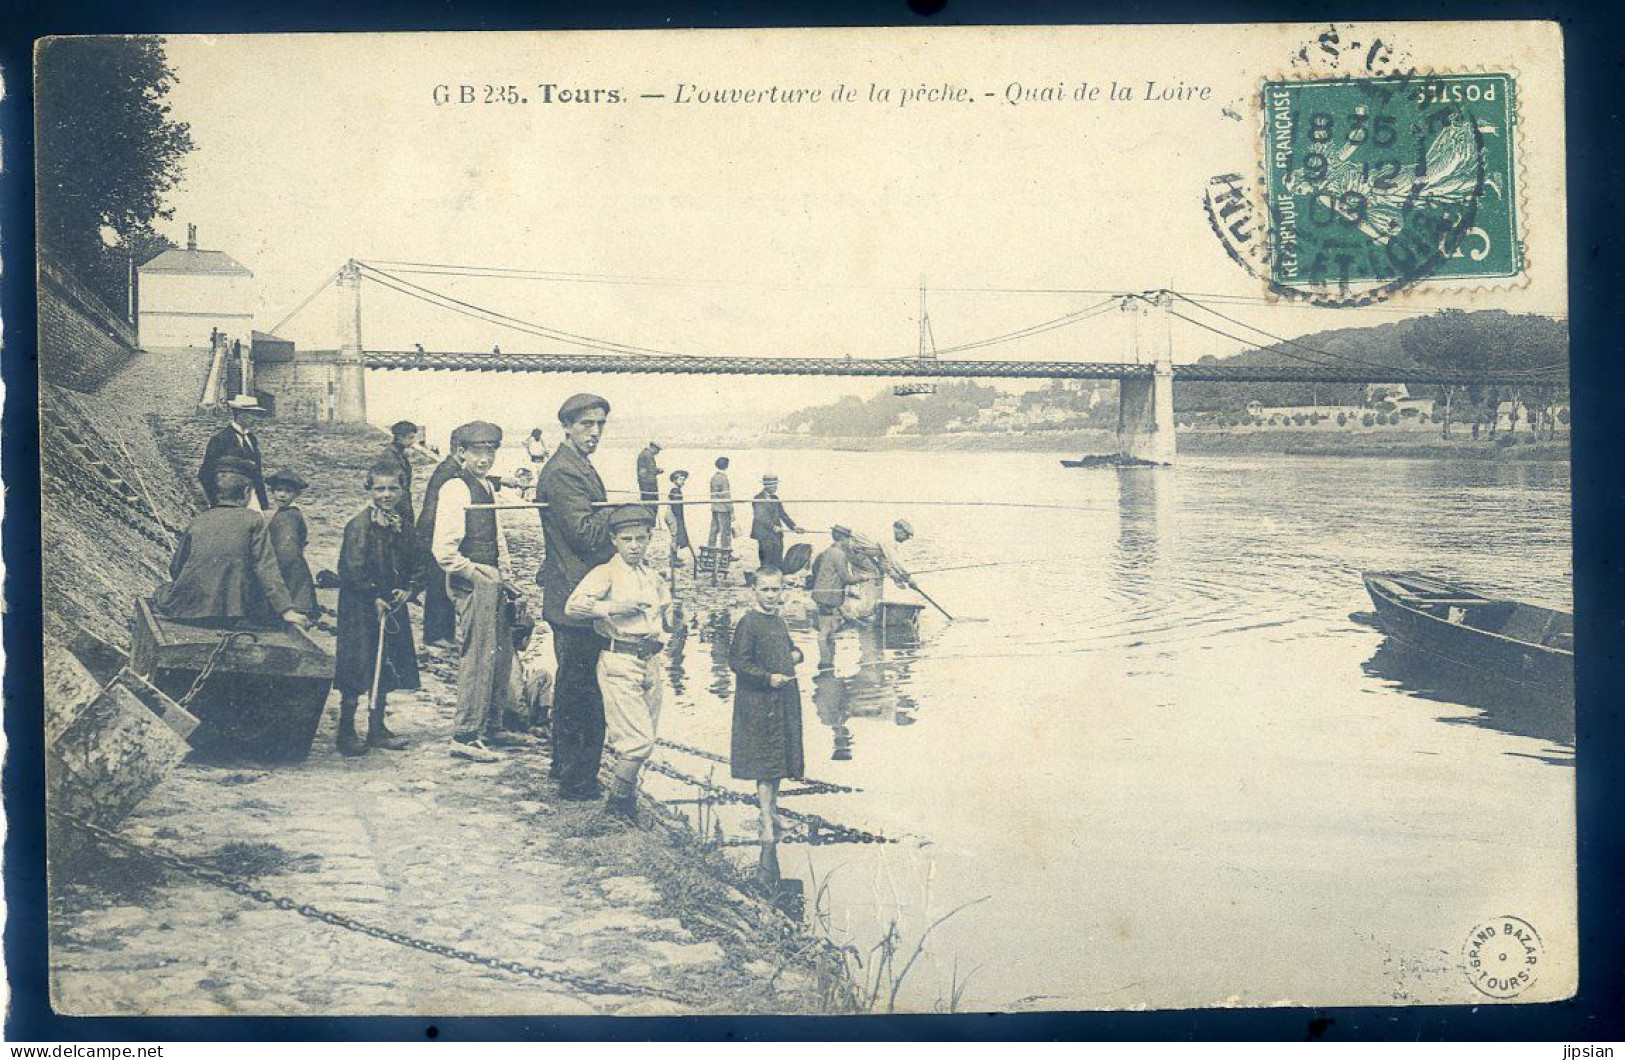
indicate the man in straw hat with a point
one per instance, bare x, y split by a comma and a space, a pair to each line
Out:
468, 547
576, 536
768, 521
629, 607
236, 440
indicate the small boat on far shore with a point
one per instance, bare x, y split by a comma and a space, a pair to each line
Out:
1109, 460
1459, 626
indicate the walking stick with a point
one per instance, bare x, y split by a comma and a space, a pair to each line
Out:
378, 664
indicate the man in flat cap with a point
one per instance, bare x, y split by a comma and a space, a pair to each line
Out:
236, 440
403, 438
768, 521
576, 536
649, 472
439, 616
468, 547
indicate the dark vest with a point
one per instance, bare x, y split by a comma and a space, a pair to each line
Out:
479, 527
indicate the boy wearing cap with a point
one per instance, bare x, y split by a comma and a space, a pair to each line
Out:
468, 547
722, 508
289, 536
768, 520
629, 607
237, 441
576, 537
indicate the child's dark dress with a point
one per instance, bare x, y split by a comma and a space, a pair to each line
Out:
377, 559
767, 720
288, 539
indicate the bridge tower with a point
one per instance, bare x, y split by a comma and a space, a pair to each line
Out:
350, 401
1145, 406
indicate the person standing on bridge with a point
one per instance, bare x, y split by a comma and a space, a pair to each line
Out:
439, 615
649, 473
576, 537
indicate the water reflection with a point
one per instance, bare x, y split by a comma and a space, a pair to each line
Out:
875, 691
718, 635
1520, 710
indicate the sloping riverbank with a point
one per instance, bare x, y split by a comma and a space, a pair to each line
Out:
391, 884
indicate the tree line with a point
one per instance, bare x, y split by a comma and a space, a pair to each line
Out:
108, 152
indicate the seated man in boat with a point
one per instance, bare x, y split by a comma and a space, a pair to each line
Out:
224, 571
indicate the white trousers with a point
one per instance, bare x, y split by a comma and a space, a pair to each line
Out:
633, 691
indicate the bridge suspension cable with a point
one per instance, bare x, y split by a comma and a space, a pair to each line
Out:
551, 276
1049, 325
444, 301
1362, 362
469, 309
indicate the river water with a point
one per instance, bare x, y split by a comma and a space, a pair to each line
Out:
1164, 752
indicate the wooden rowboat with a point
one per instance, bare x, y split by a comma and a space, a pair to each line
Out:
262, 689
1531, 645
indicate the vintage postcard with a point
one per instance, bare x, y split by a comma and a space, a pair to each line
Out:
790, 521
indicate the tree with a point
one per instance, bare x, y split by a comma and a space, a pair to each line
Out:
108, 154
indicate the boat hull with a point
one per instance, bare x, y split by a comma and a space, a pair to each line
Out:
263, 698
1443, 632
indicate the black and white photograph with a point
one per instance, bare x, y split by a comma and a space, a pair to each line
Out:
806, 521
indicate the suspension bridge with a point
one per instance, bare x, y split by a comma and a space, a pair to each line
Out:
1146, 377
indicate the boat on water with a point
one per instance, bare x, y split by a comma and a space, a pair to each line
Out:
1109, 460
1464, 628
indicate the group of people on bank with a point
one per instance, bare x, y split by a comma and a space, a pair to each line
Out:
606, 604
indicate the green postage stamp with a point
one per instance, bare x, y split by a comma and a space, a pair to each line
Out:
1377, 184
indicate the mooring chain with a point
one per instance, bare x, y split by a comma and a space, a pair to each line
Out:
820, 830
809, 786
237, 885
211, 662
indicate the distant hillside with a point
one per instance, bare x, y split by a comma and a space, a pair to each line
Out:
1453, 339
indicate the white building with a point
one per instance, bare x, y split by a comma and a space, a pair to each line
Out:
186, 294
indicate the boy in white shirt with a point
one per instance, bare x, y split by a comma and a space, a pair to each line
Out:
630, 607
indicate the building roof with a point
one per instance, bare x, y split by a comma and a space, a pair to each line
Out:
196, 263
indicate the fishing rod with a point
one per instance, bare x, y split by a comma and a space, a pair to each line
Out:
527, 505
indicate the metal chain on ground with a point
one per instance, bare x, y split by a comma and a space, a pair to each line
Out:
810, 786
211, 662
820, 830
209, 874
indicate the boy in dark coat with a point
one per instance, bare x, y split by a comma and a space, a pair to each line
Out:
224, 572
376, 571
767, 701
288, 533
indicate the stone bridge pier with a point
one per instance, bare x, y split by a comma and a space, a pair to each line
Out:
1145, 405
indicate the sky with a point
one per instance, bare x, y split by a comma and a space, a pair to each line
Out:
772, 229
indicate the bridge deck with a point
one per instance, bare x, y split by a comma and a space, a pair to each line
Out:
915, 368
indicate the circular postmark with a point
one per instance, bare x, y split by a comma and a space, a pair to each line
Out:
1372, 186
1502, 957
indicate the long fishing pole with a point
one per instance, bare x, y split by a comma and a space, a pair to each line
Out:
527, 505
